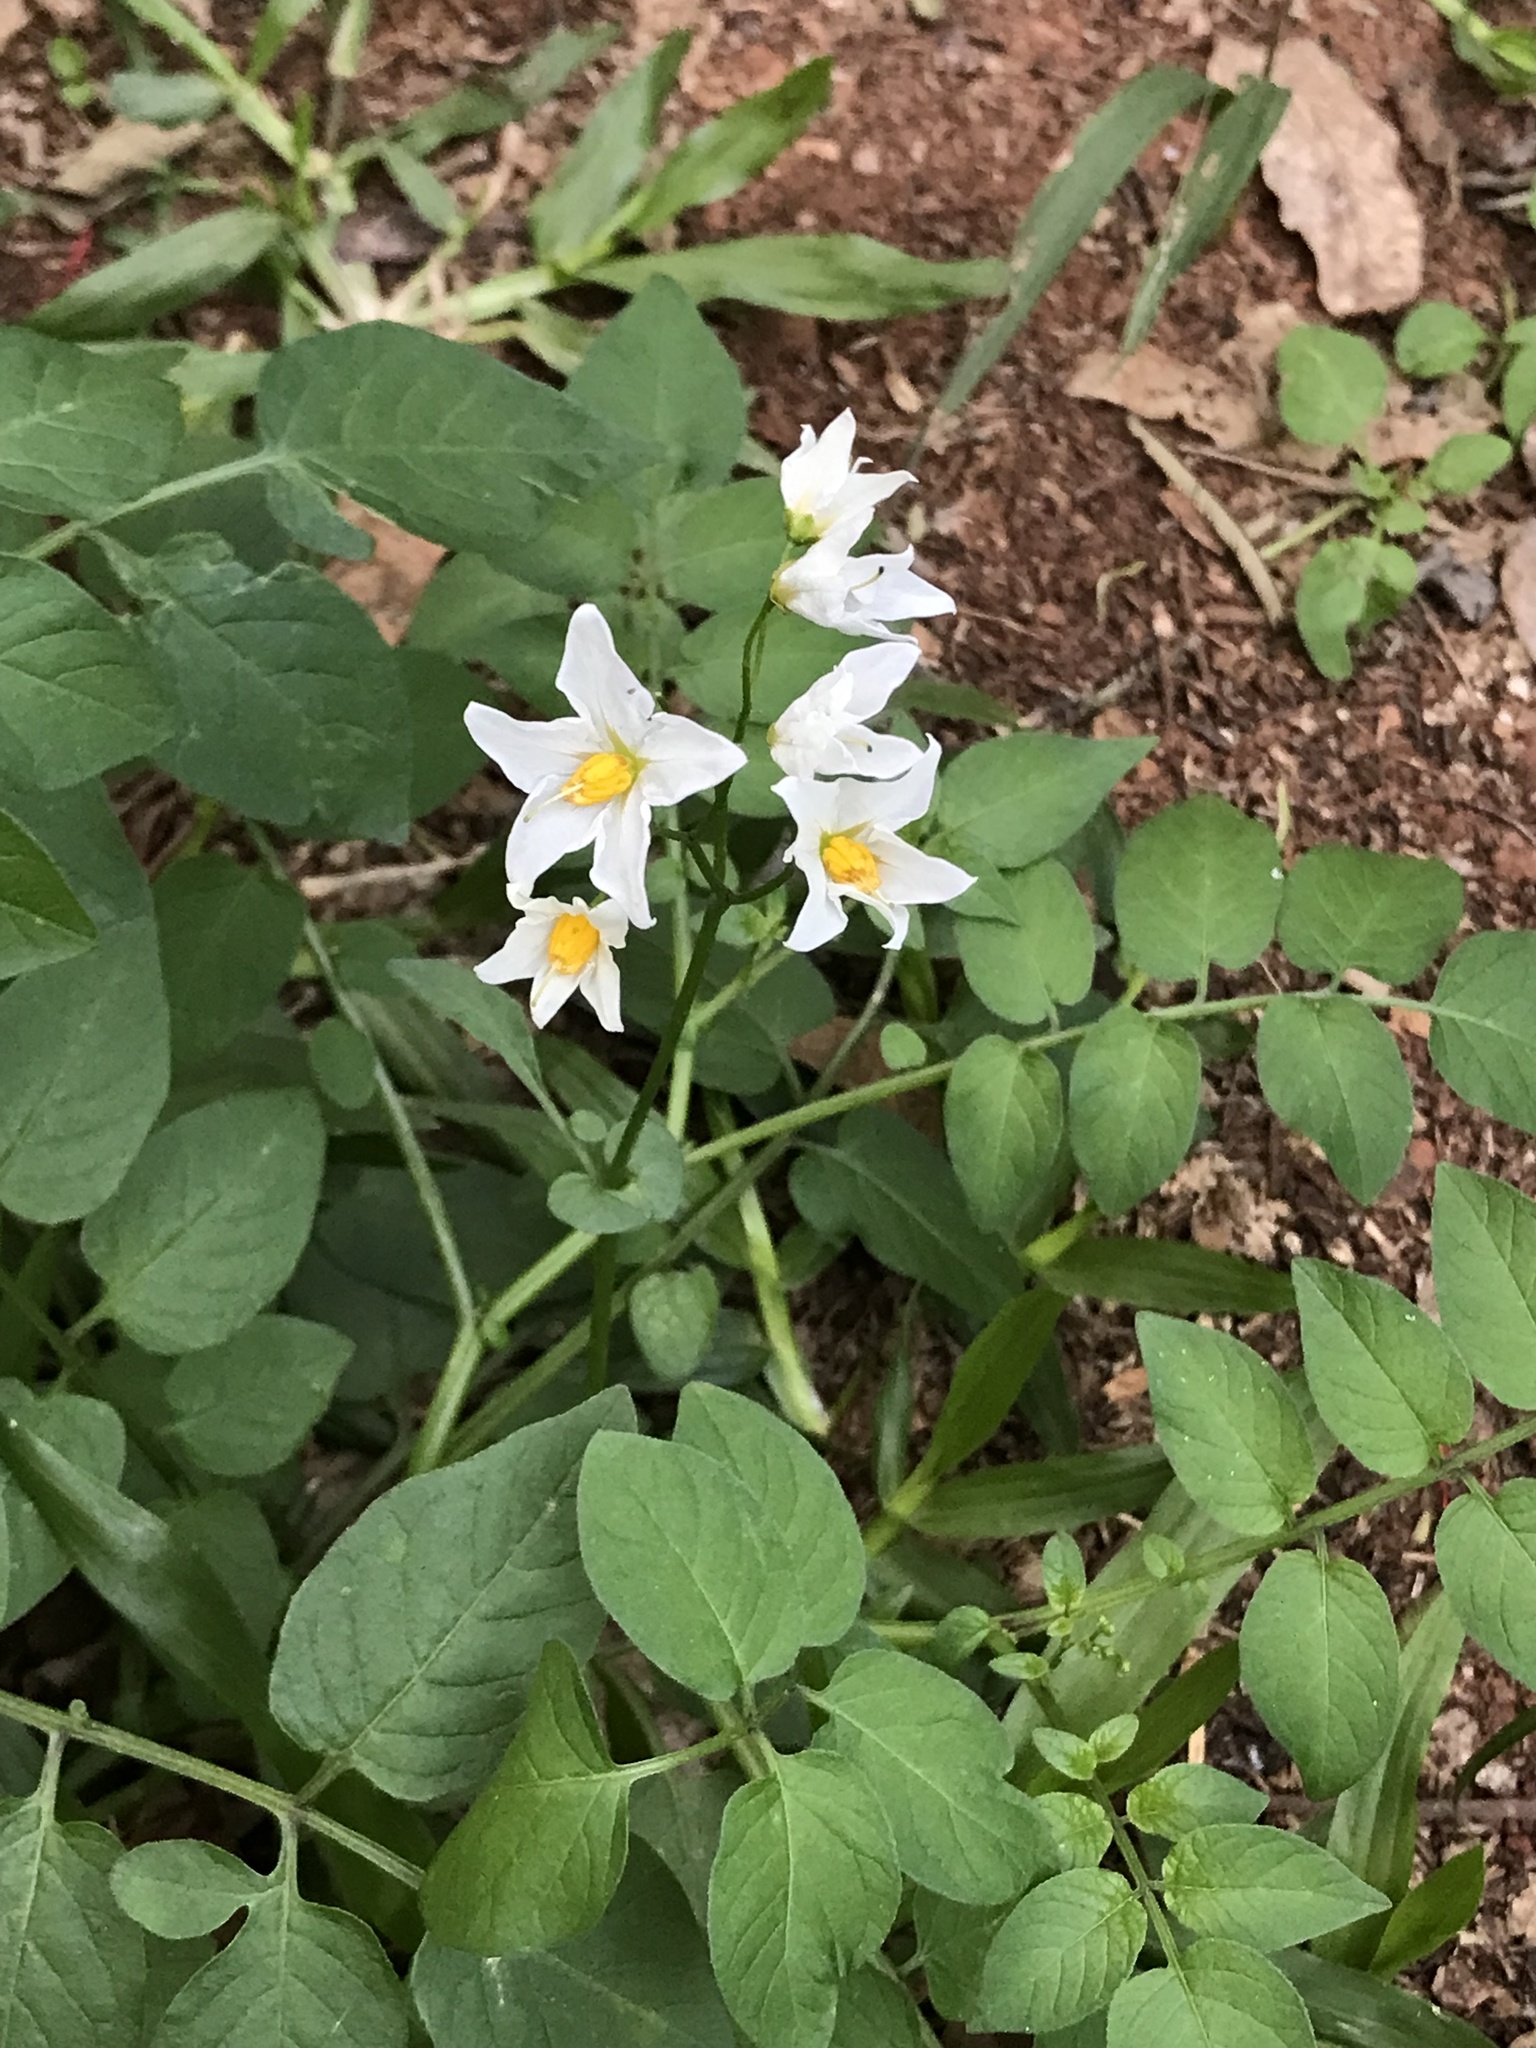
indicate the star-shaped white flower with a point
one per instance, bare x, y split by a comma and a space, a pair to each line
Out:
593, 780
563, 948
846, 846
824, 731
856, 594
822, 486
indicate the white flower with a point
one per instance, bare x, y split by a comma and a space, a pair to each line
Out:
823, 732
560, 948
856, 594
846, 846
595, 778
822, 486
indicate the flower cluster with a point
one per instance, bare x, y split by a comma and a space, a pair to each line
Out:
594, 779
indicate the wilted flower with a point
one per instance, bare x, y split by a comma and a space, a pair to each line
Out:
856, 594
593, 780
823, 732
562, 948
847, 847
822, 486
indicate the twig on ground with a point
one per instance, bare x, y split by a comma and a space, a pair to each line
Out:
1243, 550
320, 888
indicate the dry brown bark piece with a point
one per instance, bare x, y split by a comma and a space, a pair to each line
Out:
1332, 165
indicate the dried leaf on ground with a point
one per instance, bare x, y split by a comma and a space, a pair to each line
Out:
389, 583
1332, 165
1518, 584
118, 151
1409, 432
1522, 1914
1156, 386
13, 16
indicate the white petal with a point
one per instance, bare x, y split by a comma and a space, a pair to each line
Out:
874, 674
809, 477
603, 688
908, 875
900, 594
858, 497
884, 755
910, 796
618, 866
899, 918
822, 915
682, 758
545, 830
812, 805
600, 986
550, 991
522, 955
528, 751
612, 924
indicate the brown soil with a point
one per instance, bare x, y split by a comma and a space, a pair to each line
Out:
939, 136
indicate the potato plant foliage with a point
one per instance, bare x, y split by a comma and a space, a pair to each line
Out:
581, 1706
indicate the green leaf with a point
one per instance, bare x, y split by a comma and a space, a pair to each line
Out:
409, 1650
1221, 1992
485, 1012
875, 2011
1358, 2012
1320, 1662
1433, 1913
451, 445
1065, 207
804, 1889
1062, 1953
1485, 1279
1198, 885
674, 1317
243, 1406
76, 693
1465, 462
719, 549
794, 1490
1080, 1826
578, 203
1208, 192
1043, 1495
640, 1979
179, 1889
90, 1435
1160, 1273
1262, 1886
228, 936
953, 1941
295, 1976
989, 1377
165, 98
1485, 1546
1332, 384
1385, 1380
937, 1760
829, 277
1389, 913
79, 433
79, 831
1182, 1797
308, 514
492, 99
1350, 583
1332, 1071
1229, 1428
443, 756
1003, 1122
210, 1219
87, 1065
74, 1966
888, 1183
1483, 1037
1071, 1756
343, 1064
1132, 1099
1042, 956
539, 1854
718, 159
1012, 801
658, 371
1518, 393
40, 919
1436, 340
292, 707
680, 1557
165, 273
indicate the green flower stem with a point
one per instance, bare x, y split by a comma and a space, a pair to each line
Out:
1146, 1890
529, 1285
77, 1726
1025, 1620
62, 537
680, 1086
790, 1382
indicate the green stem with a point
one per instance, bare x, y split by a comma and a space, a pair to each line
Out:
1146, 1890
15, 1296
1320, 523
532, 1282
669, 1759
179, 487
77, 1726
248, 101
605, 1261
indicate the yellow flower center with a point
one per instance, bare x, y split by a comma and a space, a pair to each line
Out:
850, 863
572, 941
600, 778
